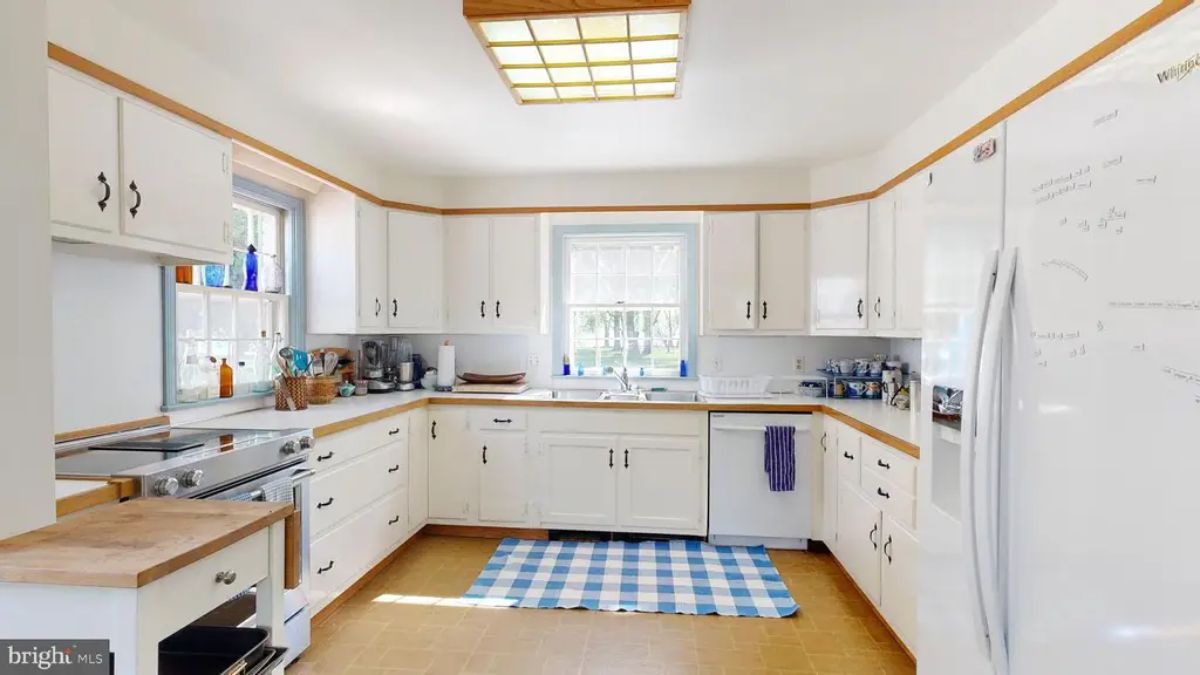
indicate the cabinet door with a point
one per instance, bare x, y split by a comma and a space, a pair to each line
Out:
184, 186
829, 482
910, 252
731, 256
859, 539
85, 188
467, 273
414, 271
452, 466
659, 483
579, 484
503, 490
881, 279
372, 265
899, 581
782, 271
839, 267
418, 468
516, 291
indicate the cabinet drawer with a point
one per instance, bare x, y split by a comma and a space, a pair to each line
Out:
340, 555
898, 469
849, 448
194, 590
339, 493
500, 418
890, 499
331, 451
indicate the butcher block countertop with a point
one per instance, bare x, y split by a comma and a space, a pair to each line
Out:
133, 543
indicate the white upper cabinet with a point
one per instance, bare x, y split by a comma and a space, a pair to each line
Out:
731, 247
881, 312
839, 267
493, 274
372, 265
414, 271
128, 175
84, 182
783, 271
910, 252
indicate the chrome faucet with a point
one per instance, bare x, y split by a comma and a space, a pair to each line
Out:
622, 378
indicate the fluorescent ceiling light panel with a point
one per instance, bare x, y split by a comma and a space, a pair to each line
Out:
568, 58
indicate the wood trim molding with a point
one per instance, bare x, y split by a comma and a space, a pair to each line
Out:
109, 492
92, 432
499, 9
1156, 15
484, 532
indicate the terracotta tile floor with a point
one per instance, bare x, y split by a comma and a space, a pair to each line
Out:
377, 631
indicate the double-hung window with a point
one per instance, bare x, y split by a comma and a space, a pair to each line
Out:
626, 300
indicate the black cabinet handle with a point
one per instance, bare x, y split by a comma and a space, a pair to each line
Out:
393, 432
879, 491
107, 191
497, 420
883, 464
627, 458
482, 305
433, 429
323, 570
824, 448
327, 502
395, 307
847, 455
393, 521
878, 301
871, 536
328, 455
138, 204
497, 309
610, 458
748, 304
764, 309
394, 469
860, 308
485, 454
886, 552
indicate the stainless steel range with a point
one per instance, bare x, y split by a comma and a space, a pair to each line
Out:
227, 464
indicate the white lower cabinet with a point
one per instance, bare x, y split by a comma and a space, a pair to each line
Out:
579, 478
659, 483
860, 527
418, 468
452, 472
829, 482
898, 580
503, 478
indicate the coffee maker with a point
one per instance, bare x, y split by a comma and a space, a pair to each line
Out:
373, 367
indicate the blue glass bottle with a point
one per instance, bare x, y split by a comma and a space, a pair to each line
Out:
251, 268
214, 276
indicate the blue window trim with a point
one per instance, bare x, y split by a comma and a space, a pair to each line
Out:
294, 269
559, 236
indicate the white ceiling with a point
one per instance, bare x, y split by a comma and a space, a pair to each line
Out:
766, 83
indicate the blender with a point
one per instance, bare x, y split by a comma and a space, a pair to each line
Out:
402, 355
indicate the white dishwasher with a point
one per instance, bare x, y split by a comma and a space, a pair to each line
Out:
742, 508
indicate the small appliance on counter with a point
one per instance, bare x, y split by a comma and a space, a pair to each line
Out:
402, 363
373, 361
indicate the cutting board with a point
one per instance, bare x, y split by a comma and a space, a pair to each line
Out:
466, 388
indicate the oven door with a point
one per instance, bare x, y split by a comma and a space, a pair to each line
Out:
289, 485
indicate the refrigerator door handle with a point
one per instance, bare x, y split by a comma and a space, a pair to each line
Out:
987, 283
987, 462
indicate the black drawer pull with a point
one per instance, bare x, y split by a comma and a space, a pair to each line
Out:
748, 304
433, 430
883, 464
871, 536
823, 446
328, 455
393, 521
886, 552
107, 191
393, 432
764, 310
323, 570
327, 502
626, 458
133, 210
395, 307
394, 469
860, 308
847, 455
482, 304
497, 420
879, 491
485, 454
610, 458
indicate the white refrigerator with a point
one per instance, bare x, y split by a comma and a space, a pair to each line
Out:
1060, 514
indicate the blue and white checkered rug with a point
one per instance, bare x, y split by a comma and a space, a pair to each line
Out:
681, 577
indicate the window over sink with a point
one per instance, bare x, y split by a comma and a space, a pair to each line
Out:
624, 298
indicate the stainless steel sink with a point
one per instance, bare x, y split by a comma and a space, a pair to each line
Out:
577, 394
636, 396
672, 396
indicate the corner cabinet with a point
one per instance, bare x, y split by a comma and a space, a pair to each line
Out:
493, 274
756, 272
128, 175
346, 256
839, 268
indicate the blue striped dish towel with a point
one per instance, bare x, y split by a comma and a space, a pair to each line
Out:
780, 458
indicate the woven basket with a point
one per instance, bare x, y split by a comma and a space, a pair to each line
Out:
297, 387
322, 390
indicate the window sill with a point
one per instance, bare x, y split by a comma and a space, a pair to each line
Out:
217, 401
632, 378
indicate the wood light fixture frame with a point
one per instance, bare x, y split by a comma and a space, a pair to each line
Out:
477, 12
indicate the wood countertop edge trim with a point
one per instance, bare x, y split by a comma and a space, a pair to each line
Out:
1149, 19
901, 445
109, 492
106, 429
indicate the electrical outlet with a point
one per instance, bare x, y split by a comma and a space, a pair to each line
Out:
717, 365
534, 361
798, 364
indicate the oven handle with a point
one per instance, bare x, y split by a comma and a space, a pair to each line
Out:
302, 474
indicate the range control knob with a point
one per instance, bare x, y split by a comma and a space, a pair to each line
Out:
191, 478
165, 487
306, 442
290, 448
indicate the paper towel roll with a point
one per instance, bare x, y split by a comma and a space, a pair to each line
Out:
445, 368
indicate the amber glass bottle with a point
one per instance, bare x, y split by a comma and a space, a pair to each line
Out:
226, 380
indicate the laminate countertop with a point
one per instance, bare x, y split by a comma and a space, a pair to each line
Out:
133, 543
897, 428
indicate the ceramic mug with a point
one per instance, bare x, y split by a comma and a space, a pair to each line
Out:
856, 389
845, 366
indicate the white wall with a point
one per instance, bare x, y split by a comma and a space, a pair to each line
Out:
26, 465
649, 188
1065, 32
